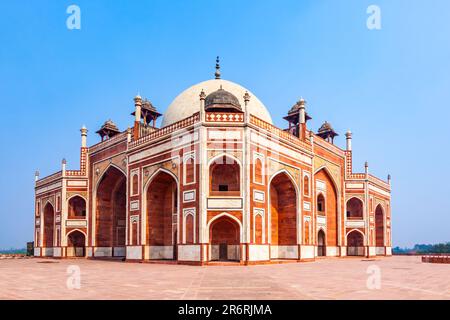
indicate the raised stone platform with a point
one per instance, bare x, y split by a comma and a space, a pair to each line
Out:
399, 277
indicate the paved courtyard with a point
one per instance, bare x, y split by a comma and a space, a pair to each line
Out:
349, 278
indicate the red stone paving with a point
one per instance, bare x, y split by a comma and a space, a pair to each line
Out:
401, 278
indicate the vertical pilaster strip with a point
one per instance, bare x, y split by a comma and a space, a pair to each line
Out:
63, 213
203, 163
313, 195
367, 207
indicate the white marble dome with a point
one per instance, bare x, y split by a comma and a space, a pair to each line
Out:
188, 102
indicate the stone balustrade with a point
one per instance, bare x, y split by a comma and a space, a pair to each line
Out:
436, 258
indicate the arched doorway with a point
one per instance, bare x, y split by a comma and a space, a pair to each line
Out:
283, 215
379, 230
111, 212
49, 225
77, 207
224, 236
225, 177
76, 244
321, 244
355, 243
354, 209
327, 205
162, 210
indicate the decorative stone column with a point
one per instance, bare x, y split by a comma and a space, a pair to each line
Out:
84, 132
348, 137
137, 115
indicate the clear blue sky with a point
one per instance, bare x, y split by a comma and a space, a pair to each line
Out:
390, 86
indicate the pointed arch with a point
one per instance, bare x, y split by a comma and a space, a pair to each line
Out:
259, 226
77, 206
356, 230
335, 184
225, 177
325, 183
321, 242
111, 165
77, 195
306, 185
225, 214
48, 202
93, 204
297, 190
144, 214
134, 185
225, 236
355, 208
355, 243
189, 227
161, 213
154, 174
79, 230
189, 168
321, 204
307, 231
76, 243
321, 229
283, 214
380, 208
48, 224
380, 217
110, 210
227, 155
258, 170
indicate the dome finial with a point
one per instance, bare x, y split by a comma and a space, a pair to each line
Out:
217, 74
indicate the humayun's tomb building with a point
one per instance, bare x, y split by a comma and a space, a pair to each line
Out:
217, 181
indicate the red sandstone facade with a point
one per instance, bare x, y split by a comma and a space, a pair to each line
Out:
219, 184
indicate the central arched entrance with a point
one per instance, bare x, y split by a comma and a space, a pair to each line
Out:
110, 224
283, 216
321, 244
162, 210
224, 236
76, 241
49, 225
355, 243
379, 230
